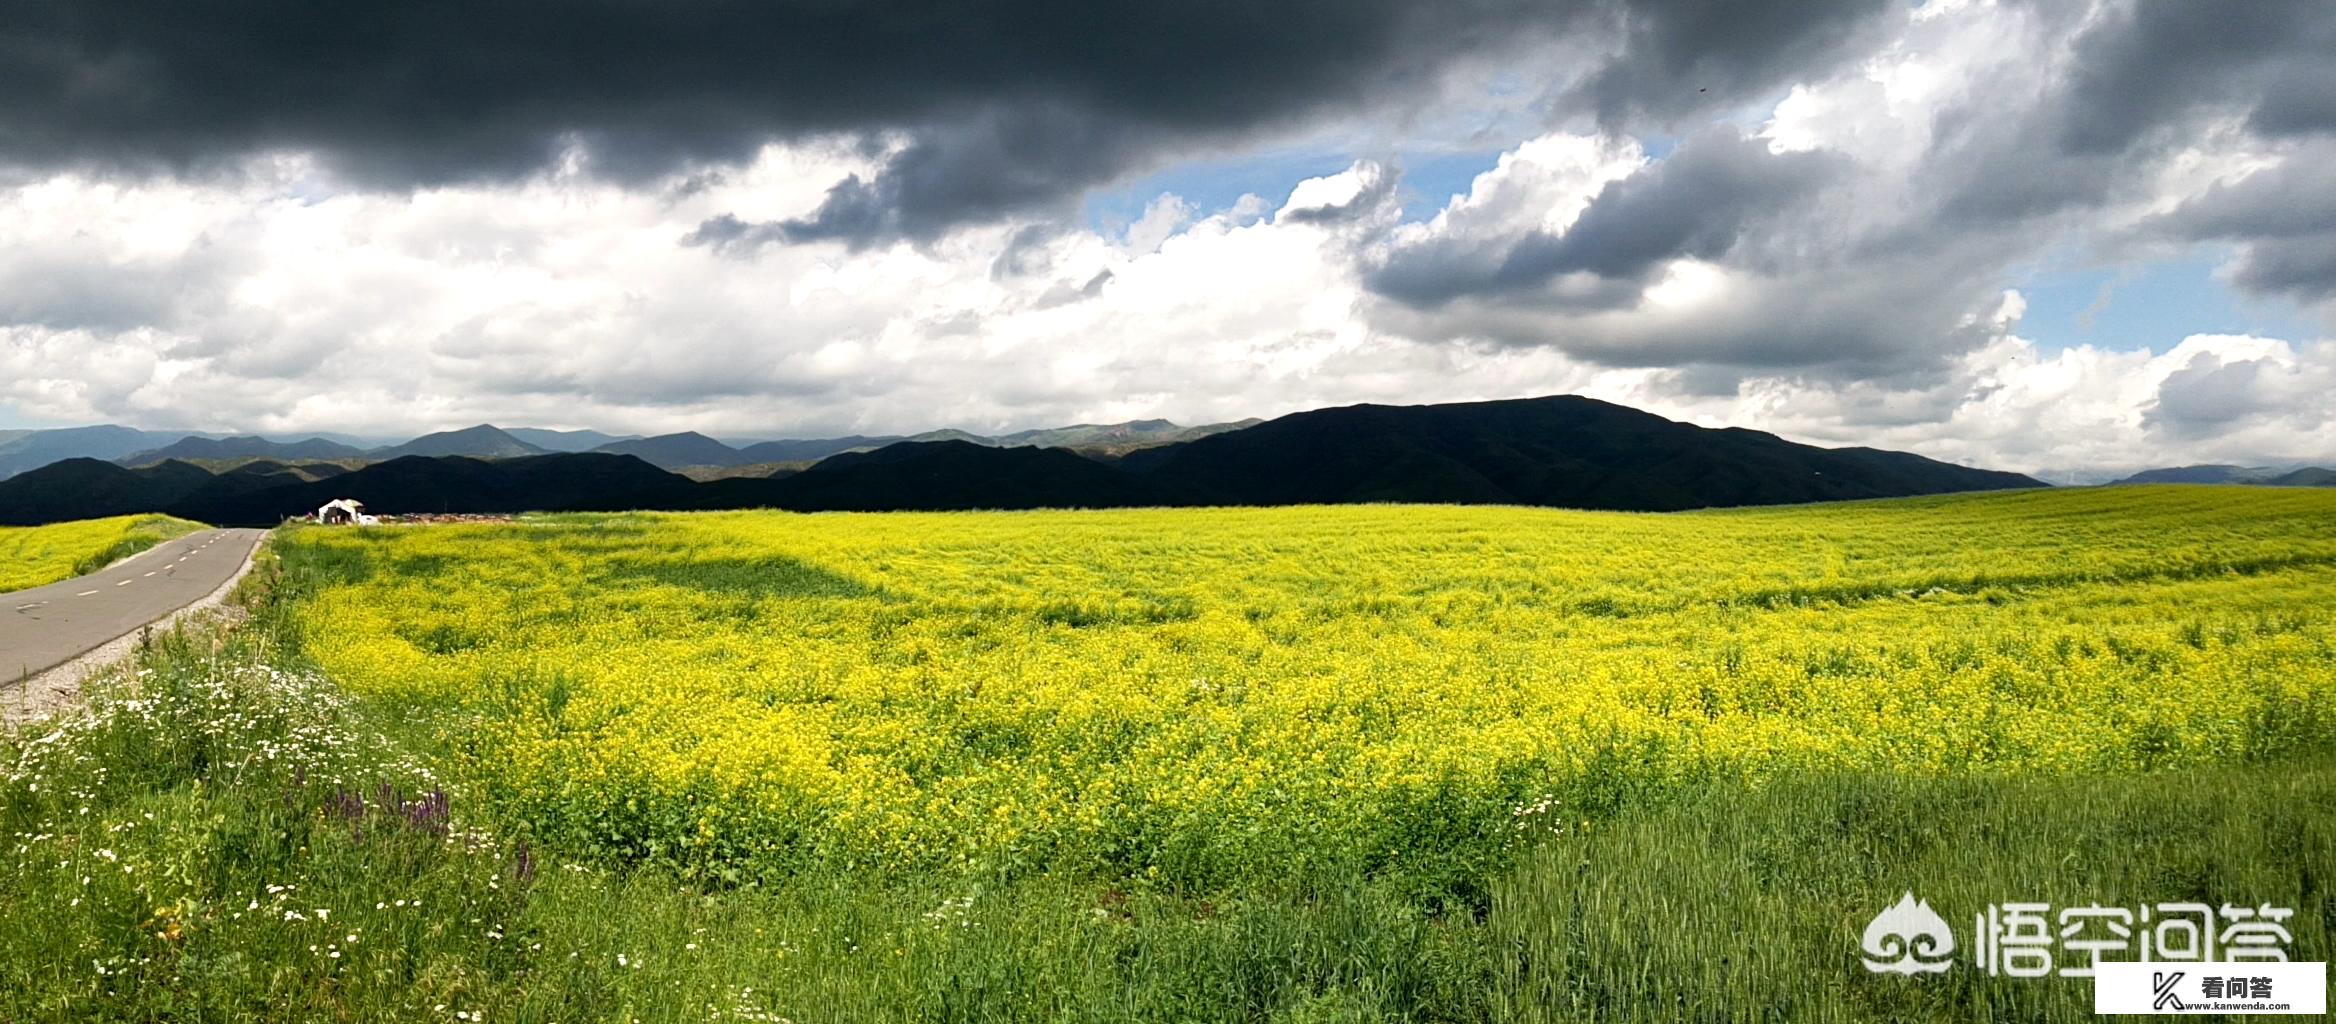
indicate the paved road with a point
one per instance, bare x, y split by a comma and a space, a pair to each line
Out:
47, 626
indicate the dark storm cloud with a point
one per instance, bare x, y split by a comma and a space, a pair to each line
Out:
2283, 218
727, 232
2148, 61
1679, 58
2135, 82
1010, 105
1695, 203
1840, 273
2140, 80
2297, 197
2302, 267
2301, 96
1000, 163
1894, 319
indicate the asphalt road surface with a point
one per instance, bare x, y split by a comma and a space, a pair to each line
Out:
47, 626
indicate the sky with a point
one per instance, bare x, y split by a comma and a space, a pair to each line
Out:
2063, 236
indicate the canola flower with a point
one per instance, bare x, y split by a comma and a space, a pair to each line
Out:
1195, 695
35, 556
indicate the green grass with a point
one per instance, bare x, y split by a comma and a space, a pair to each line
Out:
34, 556
169, 850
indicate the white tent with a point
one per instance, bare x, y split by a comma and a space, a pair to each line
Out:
344, 512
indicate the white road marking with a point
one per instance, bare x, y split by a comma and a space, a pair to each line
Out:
85, 593
151, 573
125, 583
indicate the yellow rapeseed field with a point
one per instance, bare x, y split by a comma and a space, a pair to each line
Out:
33, 556
1204, 694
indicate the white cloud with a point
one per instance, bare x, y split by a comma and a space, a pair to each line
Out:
2076, 414
1866, 312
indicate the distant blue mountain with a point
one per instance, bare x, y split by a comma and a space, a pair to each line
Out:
195, 447
479, 442
675, 451
30, 450
2300, 476
566, 440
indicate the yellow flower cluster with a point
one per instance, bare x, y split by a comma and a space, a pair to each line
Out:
1201, 693
34, 556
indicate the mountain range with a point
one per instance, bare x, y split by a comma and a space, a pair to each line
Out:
32, 449
2305, 476
22, 450
193, 447
1562, 451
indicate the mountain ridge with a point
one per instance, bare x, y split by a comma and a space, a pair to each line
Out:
195, 446
483, 441
2217, 473
1556, 450
678, 451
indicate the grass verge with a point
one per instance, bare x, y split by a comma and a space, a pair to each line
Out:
141, 533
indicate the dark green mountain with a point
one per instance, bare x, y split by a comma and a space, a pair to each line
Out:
479, 442
564, 481
242, 448
1091, 438
674, 451
811, 450
943, 475
2309, 476
1116, 438
1079, 434
94, 489
232, 485
1563, 450
566, 440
